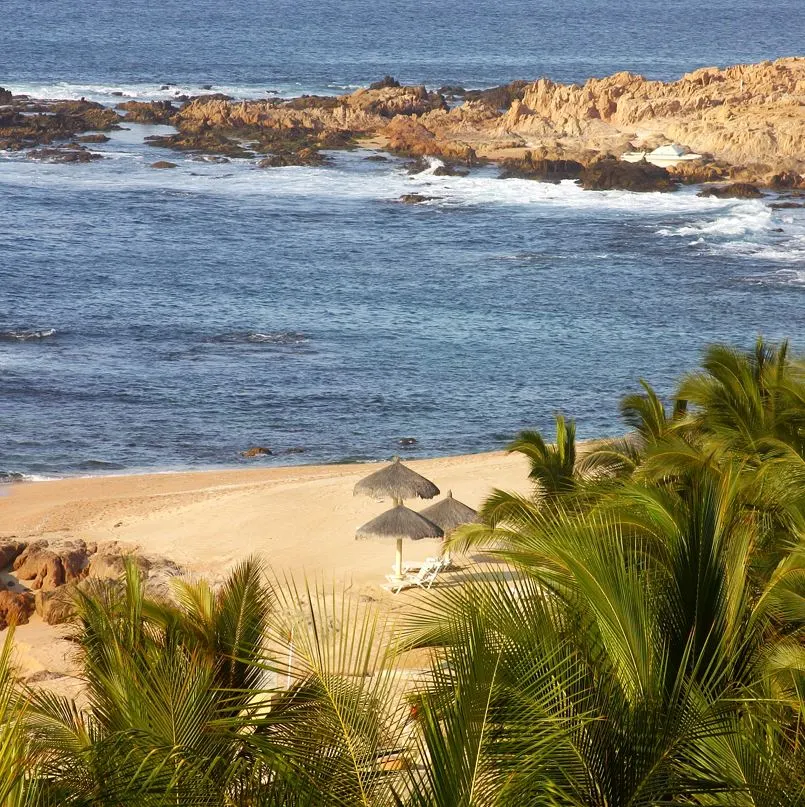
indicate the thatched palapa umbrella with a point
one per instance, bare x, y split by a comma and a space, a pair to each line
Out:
449, 514
396, 524
398, 482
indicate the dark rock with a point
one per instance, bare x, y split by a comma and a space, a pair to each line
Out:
612, 174
215, 96
305, 156
738, 190
532, 166
295, 450
417, 166
15, 607
5, 96
9, 552
786, 205
407, 441
376, 158
164, 87
448, 170
163, 164
117, 94
384, 83
65, 155
787, 180
498, 98
93, 138
451, 90
206, 86
256, 451
207, 141
58, 606
151, 112
415, 198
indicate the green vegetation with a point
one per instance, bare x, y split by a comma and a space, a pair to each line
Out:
642, 644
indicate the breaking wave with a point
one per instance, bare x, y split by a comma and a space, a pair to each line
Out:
25, 335
280, 338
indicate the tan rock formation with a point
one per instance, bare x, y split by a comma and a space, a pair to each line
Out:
15, 607
749, 119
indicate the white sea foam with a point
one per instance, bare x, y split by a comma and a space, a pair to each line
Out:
117, 93
743, 229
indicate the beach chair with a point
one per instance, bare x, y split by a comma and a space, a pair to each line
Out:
424, 578
415, 565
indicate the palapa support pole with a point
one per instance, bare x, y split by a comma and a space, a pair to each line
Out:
399, 558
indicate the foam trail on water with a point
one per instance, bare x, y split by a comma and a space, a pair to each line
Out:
117, 93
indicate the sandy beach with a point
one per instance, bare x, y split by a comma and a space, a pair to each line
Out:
301, 520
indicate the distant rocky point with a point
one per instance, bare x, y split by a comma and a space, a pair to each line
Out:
748, 122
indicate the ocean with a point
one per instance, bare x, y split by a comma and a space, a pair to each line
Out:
171, 319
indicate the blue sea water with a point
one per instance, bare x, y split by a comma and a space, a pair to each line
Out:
168, 319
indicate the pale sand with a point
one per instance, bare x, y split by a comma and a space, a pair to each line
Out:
301, 520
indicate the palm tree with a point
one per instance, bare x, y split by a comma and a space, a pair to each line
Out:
552, 466
749, 401
202, 702
640, 638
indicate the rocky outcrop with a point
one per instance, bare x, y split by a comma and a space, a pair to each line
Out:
69, 154
256, 451
742, 114
25, 123
415, 198
10, 550
738, 190
540, 166
748, 121
151, 112
47, 568
163, 164
55, 572
612, 174
15, 607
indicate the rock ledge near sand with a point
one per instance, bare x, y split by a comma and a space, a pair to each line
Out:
43, 576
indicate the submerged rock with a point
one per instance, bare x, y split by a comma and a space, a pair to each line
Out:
63, 155
256, 451
415, 198
738, 190
163, 164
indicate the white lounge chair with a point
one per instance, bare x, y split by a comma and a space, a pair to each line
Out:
415, 565
424, 578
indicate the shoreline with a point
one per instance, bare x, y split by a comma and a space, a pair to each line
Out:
185, 515
301, 520
12, 479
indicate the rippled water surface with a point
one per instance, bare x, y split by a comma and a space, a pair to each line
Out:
172, 318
